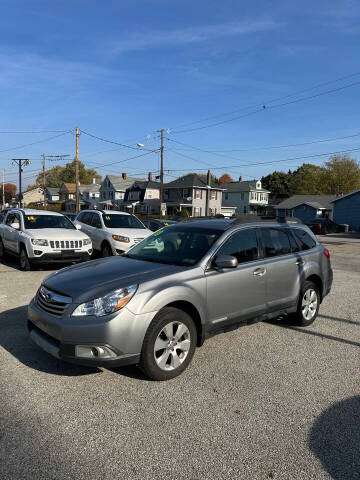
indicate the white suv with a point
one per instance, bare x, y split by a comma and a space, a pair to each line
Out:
111, 232
39, 236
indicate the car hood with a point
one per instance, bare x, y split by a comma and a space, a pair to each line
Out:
130, 232
56, 233
93, 279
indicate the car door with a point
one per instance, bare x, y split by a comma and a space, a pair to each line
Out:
96, 233
12, 234
235, 295
9, 220
284, 264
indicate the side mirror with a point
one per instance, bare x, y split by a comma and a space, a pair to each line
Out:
225, 261
15, 225
78, 227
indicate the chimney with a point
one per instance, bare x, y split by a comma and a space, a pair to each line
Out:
150, 176
123, 175
240, 179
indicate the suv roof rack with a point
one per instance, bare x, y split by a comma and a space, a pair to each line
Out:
255, 219
96, 209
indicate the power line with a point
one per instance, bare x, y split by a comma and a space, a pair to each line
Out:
268, 107
33, 132
274, 161
33, 143
110, 141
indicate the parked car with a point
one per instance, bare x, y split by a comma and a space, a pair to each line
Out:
111, 232
155, 224
324, 226
39, 236
70, 216
184, 283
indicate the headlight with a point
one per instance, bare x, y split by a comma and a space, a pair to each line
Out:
86, 241
39, 241
119, 238
110, 303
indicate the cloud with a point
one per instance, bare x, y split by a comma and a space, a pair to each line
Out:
190, 35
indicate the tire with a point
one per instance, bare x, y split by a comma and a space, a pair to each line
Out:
24, 261
161, 357
106, 250
304, 317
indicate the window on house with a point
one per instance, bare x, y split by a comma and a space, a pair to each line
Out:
211, 212
197, 211
212, 194
197, 194
150, 194
185, 192
226, 196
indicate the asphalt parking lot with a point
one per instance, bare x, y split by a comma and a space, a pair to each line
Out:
265, 401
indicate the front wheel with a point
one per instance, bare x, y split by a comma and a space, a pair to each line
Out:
24, 261
106, 250
308, 306
169, 344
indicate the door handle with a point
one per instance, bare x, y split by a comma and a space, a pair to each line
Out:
259, 272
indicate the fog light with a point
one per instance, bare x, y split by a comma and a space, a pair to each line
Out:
94, 351
38, 252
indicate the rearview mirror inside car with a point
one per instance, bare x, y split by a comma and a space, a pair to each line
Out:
225, 261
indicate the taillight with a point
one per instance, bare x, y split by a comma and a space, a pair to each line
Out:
319, 225
326, 253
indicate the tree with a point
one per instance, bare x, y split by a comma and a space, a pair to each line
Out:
10, 190
57, 175
278, 183
225, 178
341, 175
308, 180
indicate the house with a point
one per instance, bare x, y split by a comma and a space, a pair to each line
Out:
189, 193
35, 195
246, 196
143, 197
306, 207
52, 194
113, 188
89, 196
346, 209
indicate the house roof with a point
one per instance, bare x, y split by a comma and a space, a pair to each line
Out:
316, 201
70, 187
121, 184
347, 195
91, 188
53, 190
146, 184
191, 180
245, 186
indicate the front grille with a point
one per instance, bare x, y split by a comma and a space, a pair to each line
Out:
137, 240
52, 305
63, 244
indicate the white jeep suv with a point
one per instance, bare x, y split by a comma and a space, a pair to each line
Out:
111, 232
39, 236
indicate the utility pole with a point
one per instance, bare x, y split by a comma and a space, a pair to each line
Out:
208, 185
3, 188
161, 171
44, 179
77, 170
21, 162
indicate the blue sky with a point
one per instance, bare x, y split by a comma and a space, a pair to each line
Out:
122, 70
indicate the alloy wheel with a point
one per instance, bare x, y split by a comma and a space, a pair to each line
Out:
172, 345
309, 304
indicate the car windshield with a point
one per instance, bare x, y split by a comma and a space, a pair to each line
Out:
47, 221
121, 221
175, 245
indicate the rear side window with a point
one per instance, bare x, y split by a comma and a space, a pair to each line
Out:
96, 222
242, 245
80, 217
86, 218
305, 240
275, 242
10, 219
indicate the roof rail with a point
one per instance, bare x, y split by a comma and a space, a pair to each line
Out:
259, 219
96, 209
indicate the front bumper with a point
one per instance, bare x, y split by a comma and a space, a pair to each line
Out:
122, 332
61, 258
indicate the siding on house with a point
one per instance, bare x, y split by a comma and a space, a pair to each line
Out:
347, 210
305, 213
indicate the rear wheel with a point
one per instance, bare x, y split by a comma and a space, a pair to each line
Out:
169, 344
308, 306
24, 261
106, 250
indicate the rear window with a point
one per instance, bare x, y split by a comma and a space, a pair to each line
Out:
305, 240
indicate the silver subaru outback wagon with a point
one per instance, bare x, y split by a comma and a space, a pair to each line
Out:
168, 294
